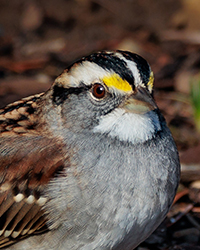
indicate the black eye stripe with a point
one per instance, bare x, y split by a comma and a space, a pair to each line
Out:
60, 94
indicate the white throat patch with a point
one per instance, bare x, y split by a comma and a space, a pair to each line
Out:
135, 128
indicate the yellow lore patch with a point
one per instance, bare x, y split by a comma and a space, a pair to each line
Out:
117, 82
150, 83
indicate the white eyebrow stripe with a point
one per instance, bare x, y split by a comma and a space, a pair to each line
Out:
133, 68
86, 72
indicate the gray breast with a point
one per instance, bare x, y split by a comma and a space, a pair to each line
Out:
117, 193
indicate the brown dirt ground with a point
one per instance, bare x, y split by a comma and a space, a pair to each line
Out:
38, 39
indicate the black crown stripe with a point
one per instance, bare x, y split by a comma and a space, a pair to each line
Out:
142, 65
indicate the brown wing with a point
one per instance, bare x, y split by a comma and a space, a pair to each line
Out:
27, 164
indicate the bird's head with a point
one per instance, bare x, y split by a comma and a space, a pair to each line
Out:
109, 93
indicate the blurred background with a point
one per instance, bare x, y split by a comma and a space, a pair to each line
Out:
39, 39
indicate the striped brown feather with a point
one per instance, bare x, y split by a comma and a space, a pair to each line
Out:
28, 161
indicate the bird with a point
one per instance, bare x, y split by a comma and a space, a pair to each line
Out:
90, 164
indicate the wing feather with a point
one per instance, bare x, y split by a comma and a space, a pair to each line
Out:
26, 167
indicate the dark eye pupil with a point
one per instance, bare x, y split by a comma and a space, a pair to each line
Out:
98, 91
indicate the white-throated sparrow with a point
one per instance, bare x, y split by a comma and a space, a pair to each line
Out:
88, 165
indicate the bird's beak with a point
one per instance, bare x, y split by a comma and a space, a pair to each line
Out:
140, 102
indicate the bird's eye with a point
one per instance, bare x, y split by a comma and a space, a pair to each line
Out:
98, 91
